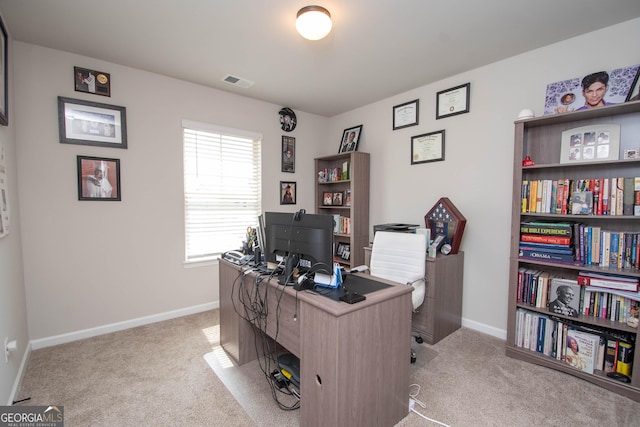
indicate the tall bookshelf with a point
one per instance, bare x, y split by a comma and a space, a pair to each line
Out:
354, 185
541, 139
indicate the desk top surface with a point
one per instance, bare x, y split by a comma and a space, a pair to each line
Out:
334, 307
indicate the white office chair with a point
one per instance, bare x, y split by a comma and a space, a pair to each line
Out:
400, 257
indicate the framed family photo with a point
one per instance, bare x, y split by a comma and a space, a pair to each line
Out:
350, 139
98, 178
593, 143
91, 123
92, 81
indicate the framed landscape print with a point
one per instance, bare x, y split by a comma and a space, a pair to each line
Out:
91, 123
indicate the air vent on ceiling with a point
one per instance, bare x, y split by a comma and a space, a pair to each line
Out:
238, 81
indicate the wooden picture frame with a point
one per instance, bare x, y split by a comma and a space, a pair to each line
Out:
4, 76
593, 143
406, 115
453, 101
287, 193
91, 123
444, 218
98, 178
350, 139
92, 81
288, 154
428, 147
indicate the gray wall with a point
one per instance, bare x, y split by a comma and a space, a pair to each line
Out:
93, 267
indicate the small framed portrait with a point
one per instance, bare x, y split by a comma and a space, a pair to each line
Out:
287, 193
90, 123
632, 153
98, 178
288, 154
337, 199
92, 81
327, 198
350, 139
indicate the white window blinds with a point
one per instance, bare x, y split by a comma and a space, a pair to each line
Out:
222, 188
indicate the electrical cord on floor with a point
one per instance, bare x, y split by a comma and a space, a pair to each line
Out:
413, 399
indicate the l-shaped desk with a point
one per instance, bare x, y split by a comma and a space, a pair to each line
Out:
354, 358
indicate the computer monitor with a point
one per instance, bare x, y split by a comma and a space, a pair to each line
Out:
299, 240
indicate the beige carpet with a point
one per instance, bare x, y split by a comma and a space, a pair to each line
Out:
174, 373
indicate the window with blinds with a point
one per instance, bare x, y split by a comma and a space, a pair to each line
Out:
222, 188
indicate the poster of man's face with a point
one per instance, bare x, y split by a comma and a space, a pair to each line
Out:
595, 89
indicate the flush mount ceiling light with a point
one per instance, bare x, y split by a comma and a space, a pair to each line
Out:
313, 22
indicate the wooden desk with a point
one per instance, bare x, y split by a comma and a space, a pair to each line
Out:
441, 312
354, 358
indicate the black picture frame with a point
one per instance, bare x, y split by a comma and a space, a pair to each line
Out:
91, 123
453, 101
428, 147
406, 115
99, 187
4, 76
287, 193
347, 143
634, 91
92, 81
288, 154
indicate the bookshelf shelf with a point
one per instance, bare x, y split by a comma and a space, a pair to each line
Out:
541, 139
357, 213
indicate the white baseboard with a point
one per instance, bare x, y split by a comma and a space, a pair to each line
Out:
120, 326
485, 329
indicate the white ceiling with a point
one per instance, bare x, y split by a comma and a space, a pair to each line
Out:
377, 48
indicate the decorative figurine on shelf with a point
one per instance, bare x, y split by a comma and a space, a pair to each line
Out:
528, 162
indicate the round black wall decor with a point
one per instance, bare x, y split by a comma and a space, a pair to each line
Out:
287, 119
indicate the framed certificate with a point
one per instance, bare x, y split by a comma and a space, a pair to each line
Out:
428, 147
405, 115
453, 101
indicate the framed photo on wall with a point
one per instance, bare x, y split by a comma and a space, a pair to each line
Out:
405, 115
98, 178
288, 154
287, 193
91, 123
454, 101
92, 81
4, 77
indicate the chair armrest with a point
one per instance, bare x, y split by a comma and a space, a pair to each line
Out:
359, 269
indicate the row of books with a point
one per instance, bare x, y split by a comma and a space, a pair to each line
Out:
598, 196
585, 348
599, 297
335, 174
341, 224
579, 244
